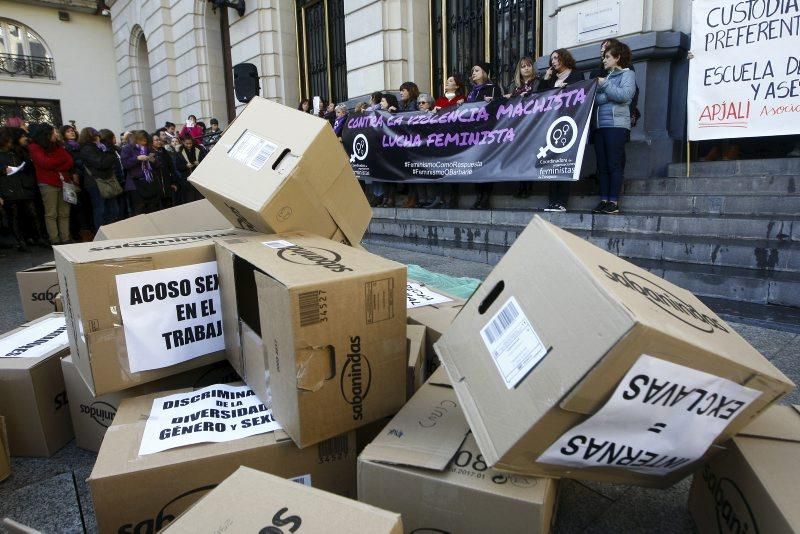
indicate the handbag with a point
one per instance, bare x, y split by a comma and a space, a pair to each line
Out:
108, 187
70, 192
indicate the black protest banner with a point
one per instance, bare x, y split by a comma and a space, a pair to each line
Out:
539, 137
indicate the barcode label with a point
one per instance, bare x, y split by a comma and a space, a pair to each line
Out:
309, 308
278, 243
514, 345
303, 479
333, 449
252, 150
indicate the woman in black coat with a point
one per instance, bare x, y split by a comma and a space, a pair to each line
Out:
483, 90
99, 161
187, 159
165, 173
18, 189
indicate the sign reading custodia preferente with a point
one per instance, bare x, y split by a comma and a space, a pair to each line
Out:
744, 76
537, 137
170, 315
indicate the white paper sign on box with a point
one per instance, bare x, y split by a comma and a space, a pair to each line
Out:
35, 340
170, 315
213, 414
661, 417
418, 295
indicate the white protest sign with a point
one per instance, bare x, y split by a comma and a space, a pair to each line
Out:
170, 315
418, 295
213, 414
36, 340
744, 78
661, 417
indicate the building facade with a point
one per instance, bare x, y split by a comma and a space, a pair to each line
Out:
57, 64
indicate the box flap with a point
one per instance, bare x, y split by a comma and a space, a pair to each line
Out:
440, 378
47, 266
426, 433
300, 258
776, 422
198, 216
416, 342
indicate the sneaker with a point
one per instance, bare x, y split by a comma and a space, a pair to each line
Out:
555, 206
611, 208
601, 207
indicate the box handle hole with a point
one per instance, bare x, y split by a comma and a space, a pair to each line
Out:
280, 158
491, 297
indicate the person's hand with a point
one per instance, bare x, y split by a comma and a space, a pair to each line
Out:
141, 158
393, 109
690, 55
2, 202
437, 108
548, 74
9, 169
488, 98
601, 81
174, 187
76, 179
151, 157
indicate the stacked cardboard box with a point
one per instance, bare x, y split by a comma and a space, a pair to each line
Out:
33, 398
38, 290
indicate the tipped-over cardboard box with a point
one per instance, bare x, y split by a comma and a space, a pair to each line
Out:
415, 372
38, 290
276, 169
752, 487
252, 501
197, 216
33, 398
91, 416
422, 467
333, 324
572, 362
5, 452
133, 493
141, 309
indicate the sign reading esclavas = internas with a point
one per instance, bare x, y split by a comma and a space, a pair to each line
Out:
538, 137
744, 76
660, 418
35, 340
170, 315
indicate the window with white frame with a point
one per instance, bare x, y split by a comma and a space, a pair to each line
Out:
23, 52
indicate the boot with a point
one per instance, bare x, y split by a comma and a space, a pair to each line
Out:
733, 152
411, 202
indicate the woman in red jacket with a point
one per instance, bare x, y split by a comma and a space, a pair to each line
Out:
52, 163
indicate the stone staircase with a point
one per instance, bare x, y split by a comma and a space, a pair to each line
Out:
730, 232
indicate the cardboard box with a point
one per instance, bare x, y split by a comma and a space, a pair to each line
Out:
91, 416
276, 169
752, 487
5, 452
165, 282
422, 467
38, 290
134, 493
415, 372
32, 394
333, 326
570, 361
436, 320
198, 216
252, 501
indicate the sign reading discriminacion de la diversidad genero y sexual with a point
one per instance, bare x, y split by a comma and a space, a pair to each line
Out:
170, 315
744, 77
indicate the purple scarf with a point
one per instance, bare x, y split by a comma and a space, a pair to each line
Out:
73, 145
147, 170
338, 125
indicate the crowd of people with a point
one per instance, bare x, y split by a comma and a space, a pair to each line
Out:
614, 115
59, 186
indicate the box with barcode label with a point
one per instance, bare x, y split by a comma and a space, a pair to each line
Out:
144, 493
331, 321
571, 362
276, 169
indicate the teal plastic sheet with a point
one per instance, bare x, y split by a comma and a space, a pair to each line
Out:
462, 287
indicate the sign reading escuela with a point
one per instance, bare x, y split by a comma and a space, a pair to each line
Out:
538, 137
744, 79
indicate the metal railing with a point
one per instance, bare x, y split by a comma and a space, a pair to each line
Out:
30, 66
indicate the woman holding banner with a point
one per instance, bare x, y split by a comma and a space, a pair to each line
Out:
483, 90
614, 95
526, 83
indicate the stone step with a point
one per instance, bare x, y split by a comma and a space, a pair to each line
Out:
500, 226
774, 204
744, 167
725, 185
746, 285
782, 318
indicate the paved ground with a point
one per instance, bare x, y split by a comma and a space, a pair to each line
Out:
52, 495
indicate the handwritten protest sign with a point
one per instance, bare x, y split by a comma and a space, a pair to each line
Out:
213, 414
418, 295
170, 315
744, 78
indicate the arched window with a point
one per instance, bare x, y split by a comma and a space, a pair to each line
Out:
23, 52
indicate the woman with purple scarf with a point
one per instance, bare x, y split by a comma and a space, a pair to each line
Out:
139, 162
98, 162
341, 117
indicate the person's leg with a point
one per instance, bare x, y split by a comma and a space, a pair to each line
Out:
13, 209
64, 209
111, 212
615, 150
98, 204
602, 161
50, 196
